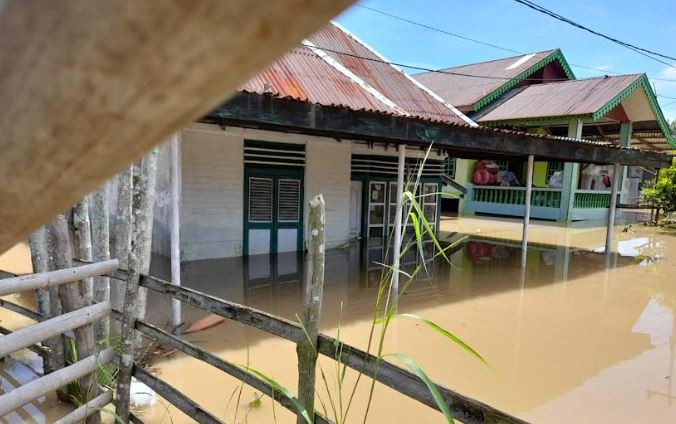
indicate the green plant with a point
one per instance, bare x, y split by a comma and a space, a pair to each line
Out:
663, 192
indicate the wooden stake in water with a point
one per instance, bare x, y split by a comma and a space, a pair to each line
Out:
307, 349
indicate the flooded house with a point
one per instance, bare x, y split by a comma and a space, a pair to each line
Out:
539, 93
243, 190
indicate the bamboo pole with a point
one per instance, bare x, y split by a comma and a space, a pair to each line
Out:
138, 262
122, 235
100, 252
72, 300
175, 148
35, 333
55, 278
84, 235
142, 212
48, 303
314, 280
87, 409
37, 388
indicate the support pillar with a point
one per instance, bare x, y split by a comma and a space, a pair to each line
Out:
526, 215
175, 225
626, 130
571, 174
611, 210
398, 218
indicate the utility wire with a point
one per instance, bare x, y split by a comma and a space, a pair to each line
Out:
484, 43
436, 71
640, 50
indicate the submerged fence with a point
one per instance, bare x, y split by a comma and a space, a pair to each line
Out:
463, 408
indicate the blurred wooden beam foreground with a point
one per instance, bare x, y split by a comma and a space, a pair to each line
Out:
86, 87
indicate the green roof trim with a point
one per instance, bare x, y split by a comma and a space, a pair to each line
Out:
641, 82
555, 56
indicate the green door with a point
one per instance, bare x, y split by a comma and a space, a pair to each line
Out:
273, 214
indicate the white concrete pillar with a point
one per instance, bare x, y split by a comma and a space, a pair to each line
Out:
175, 225
612, 207
526, 215
398, 217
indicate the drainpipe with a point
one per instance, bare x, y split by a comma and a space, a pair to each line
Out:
526, 215
398, 218
613, 204
175, 169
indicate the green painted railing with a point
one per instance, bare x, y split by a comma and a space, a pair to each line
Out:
588, 199
544, 197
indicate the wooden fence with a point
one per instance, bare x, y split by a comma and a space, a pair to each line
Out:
45, 328
463, 408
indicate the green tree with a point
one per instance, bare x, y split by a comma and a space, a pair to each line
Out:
663, 192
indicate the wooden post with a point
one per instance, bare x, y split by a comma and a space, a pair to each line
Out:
122, 235
84, 236
612, 208
526, 215
138, 262
40, 260
396, 253
314, 280
143, 205
72, 300
175, 225
571, 175
100, 252
626, 132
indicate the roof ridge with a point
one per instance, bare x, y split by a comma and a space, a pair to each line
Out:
550, 51
600, 77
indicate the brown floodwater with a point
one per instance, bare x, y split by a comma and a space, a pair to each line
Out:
577, 337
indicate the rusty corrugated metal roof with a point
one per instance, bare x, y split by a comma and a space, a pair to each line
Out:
559, 99
478, 80
302, 74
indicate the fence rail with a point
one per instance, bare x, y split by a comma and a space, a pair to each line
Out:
46, 328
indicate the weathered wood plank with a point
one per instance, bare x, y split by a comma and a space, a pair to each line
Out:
87, 409
314, 277
36, 333
466, 409
55, 278
251, 110
114, 82
176, 398
188, 348
36, 388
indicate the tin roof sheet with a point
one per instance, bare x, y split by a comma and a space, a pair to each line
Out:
302, 74
463, 86
559, 99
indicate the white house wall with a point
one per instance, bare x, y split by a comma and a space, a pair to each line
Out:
212, 166
327, 171
212, 169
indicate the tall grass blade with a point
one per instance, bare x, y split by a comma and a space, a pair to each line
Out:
432, 326
415, 369
281, 389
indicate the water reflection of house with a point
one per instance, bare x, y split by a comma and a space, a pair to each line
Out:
538, 93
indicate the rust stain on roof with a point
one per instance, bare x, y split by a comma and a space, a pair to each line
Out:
301, 74
562, 98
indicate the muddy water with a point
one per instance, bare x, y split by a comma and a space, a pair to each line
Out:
576, 338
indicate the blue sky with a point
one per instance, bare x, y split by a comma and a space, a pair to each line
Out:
650, 24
